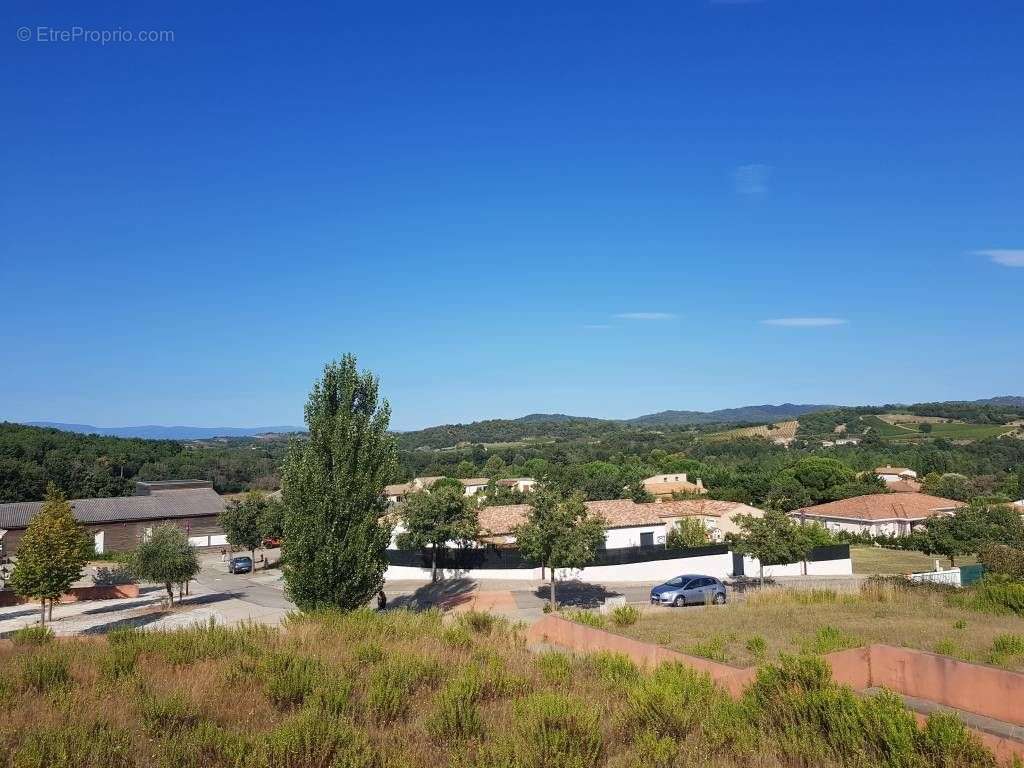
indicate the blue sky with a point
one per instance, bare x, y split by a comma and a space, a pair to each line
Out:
582, 207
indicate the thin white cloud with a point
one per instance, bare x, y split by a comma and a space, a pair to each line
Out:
596, 326
751, 179
1004, 256
805, 322
645, 316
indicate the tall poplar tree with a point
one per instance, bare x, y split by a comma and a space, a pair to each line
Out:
333, 486
52, 552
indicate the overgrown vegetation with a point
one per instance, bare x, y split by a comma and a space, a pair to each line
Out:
971, 624
371, 690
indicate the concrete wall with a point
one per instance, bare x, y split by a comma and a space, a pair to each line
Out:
652, 571
842, 567
984, 690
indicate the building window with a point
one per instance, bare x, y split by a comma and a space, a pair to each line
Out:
647, 539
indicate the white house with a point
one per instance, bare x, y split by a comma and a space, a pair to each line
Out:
895, 474
878, 514
523, 484
628, 524
474, 485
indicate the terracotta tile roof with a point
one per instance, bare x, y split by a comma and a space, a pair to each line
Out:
882, 506
618, 513
397, 489
502, 519
475, 481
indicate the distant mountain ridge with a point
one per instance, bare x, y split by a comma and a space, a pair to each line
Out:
747, 413
158, 432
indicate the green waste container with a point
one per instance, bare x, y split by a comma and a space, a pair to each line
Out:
969, 574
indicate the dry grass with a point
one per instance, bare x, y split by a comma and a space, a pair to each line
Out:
403, 690
776, 622
872, 560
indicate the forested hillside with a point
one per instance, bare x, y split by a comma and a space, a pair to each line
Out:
94, 466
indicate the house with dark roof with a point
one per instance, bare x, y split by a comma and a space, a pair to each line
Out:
878, 514
120, 523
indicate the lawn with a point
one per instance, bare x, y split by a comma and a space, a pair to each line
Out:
871, 560
411, 690
765, 625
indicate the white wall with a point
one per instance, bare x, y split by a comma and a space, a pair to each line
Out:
821, 568
617, 538
655, 571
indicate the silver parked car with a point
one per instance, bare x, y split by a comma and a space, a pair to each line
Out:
690, 589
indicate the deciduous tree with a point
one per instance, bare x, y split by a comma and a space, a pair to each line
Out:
772, 539
559, 533
335, 533
687, 533
165, 558
51, 554
242, 522
434, 518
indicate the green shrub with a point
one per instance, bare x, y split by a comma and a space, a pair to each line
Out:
678, 702
332, 695
548, 730
625, 615
480, 622
206, 745
589, 618
75, 745
119, 662
615, 668
1003, 560
393, 681
168, 714
455, 714
757, 647
947, 647
554, 666
713, 648
44, 672
368, 653
31, 636
309, 739
290, 677
828, 639
457, 636
195, 643
945, 742
993, 594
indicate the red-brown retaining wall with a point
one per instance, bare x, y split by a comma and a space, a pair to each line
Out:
987, 691
75, 594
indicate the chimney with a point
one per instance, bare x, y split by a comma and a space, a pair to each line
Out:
700, 484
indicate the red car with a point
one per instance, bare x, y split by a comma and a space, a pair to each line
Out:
271, 543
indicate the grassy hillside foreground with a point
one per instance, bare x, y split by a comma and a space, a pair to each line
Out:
405, 689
